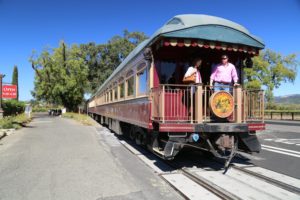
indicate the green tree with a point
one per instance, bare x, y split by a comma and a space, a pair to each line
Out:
15, 80
270, 70
103, 59
61, 76
64, 75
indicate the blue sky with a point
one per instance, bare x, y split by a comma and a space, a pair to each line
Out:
34, 24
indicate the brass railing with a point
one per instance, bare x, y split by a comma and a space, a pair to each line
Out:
190, 104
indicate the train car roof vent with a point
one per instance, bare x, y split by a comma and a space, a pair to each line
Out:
174, 21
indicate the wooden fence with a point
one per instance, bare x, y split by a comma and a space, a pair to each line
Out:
282, 115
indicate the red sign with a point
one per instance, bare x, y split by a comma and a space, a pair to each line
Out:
9, 91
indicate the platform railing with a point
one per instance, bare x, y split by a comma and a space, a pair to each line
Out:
253, 105
172, 103
190, 104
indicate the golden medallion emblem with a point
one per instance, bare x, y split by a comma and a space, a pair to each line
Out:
222, 104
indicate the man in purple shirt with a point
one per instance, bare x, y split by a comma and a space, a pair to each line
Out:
223, 74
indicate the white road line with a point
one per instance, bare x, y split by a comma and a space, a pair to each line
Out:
281, 149
288, 142
269, 139
281, 152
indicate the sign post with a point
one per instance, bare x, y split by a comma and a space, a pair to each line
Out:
1, 110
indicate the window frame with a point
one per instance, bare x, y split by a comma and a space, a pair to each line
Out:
141, 69
127, 86
121, 94
110, 95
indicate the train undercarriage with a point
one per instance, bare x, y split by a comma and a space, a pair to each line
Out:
167, 145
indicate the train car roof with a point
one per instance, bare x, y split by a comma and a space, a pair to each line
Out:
199, 27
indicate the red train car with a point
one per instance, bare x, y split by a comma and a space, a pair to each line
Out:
146, 98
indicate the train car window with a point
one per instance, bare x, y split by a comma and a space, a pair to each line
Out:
122, 90
142, 82
111, 96
130, 86
116, 93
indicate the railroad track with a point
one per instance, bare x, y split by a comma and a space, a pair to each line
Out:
292, 190
278, 183
199, 180
218, 191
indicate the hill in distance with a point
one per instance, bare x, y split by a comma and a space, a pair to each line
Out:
288, 99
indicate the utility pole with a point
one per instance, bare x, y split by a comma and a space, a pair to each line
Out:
1, 110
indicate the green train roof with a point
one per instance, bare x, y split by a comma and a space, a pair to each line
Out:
198, 27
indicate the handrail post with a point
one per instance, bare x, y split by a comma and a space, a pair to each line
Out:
163, 104
192, 106
205, 102
199, 104
238, 104
151, 96
245, 106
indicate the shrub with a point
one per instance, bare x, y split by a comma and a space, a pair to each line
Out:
84, 119
40, 109
13, 107
14, 121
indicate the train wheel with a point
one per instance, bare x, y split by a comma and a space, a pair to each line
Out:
132, 133
140, 137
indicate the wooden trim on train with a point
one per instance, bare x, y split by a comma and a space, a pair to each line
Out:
207, 44
126, 120
211, 127
125, 100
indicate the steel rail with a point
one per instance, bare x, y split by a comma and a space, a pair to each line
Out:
280, 184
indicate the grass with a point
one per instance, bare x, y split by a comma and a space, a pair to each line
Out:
84, 119
40, 109
15, 122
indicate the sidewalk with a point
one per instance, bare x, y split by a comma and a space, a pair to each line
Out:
58, 158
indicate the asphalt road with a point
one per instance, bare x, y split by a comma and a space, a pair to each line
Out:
56, 158
280, 148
